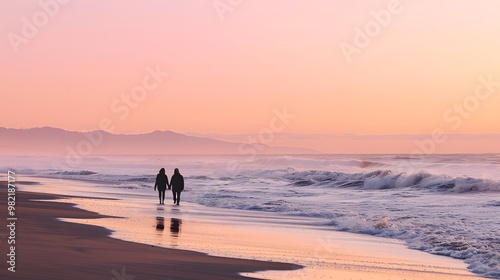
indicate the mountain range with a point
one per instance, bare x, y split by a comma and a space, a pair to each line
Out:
55, 141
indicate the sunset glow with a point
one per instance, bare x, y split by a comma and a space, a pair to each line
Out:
228, 70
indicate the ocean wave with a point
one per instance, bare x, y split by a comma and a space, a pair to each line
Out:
145, 179
383, 203
374, 180
496, 204
82, 173
440, 214
200, 177
386, 179
481, 254
368, 164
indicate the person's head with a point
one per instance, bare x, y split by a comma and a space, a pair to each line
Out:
176, 171
162, 171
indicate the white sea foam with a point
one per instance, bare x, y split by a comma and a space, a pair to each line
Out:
443, 204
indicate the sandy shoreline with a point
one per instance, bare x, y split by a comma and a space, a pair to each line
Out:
81, 247
51, 249
324, 254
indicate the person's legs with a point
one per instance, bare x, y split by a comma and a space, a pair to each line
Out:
178, 197
173, 194
159, 195
163, 197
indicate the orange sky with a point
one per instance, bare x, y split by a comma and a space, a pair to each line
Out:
227, 77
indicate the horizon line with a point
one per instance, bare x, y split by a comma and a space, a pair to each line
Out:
293, 134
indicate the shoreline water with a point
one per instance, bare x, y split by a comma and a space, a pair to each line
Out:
51, 249
197, 225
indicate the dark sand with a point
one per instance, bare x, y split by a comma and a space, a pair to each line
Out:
51, 249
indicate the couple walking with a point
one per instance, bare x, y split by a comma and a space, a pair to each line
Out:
176, 184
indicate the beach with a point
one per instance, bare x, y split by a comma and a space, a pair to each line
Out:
231, 139
50, 249
57, 240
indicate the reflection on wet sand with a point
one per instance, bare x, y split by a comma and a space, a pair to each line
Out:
160, 225
175, 227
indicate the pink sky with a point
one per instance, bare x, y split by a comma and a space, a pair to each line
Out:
227, 77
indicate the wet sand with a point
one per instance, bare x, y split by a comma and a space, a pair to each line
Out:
324, 253
81, 246
47, 248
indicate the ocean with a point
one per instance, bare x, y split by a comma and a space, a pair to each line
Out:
441, 204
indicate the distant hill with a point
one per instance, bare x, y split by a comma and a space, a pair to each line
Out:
54, 141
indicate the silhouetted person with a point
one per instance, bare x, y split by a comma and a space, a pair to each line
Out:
161, 183
177, 185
